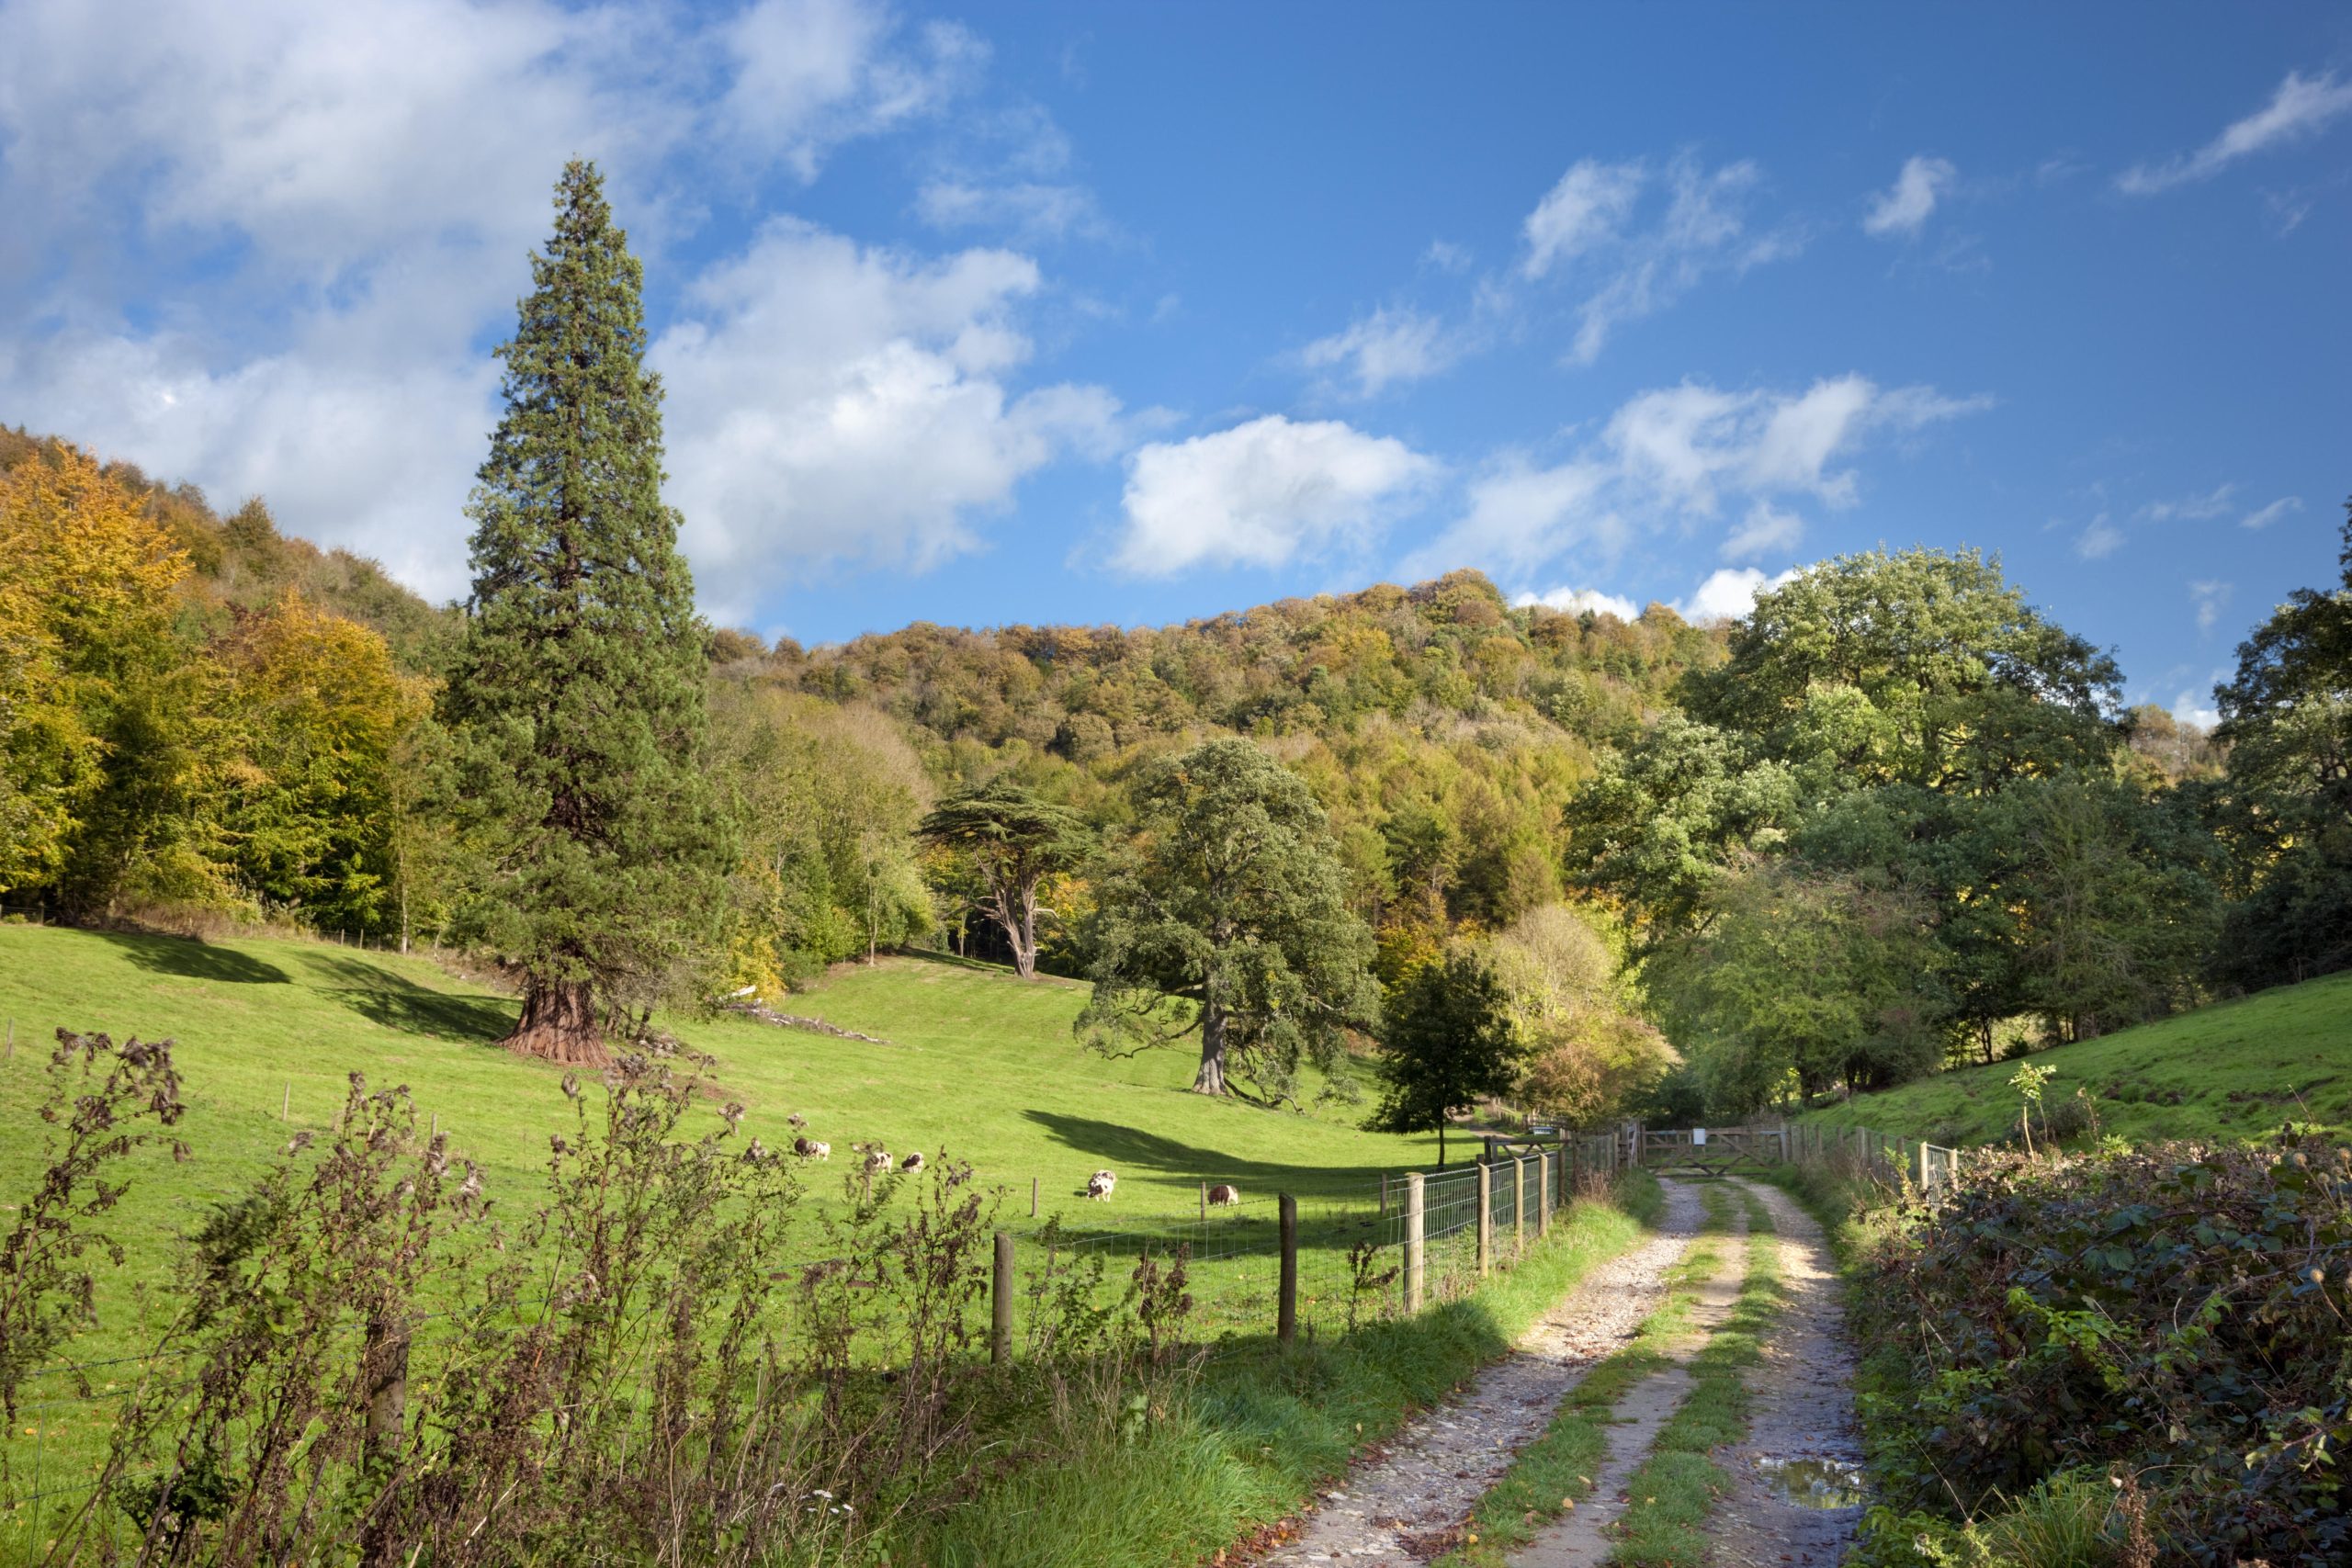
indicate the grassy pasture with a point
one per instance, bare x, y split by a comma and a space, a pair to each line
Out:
2234, 1070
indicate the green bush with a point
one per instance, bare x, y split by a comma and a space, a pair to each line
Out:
2175, 1313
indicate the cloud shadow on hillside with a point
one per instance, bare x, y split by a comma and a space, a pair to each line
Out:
193, 959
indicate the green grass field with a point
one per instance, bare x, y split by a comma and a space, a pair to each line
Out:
978, 1065
2236, 1069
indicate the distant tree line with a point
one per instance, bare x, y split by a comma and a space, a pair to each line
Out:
1895, 818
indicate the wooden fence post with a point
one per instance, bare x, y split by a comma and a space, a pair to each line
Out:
1543, 1193
1033, 1196
1413, 1260
1286, 1314
384, 1361
1001, 1302
1518, 1205
1205, 1202
1922, 1167
1486, 1217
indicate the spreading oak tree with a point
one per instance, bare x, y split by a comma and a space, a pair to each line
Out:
1227, 916
576, 699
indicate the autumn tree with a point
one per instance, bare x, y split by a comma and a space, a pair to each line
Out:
577, 697
1227, 916
96, 693
1448, 1043
1014, 841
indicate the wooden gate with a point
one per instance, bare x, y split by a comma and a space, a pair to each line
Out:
1712, 1151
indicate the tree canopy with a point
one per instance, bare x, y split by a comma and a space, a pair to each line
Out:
1013, 841
1448, 1043
1226, 915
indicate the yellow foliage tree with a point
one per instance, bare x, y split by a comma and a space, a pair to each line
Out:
86, 591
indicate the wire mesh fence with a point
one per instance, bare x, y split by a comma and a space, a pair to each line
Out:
1864, 1153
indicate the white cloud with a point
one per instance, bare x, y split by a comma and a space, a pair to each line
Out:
2191, 507
1666, 458
831, 402
1764, 532
1577, 601
365, 183
1029, 209
2262, 517
1638, 271
2192, 707
1904, 209
1729, 593
811, 74
1447, 256
2210, 598
2099, 539
2302, 107
1262, 494
1579, 212
1388, 346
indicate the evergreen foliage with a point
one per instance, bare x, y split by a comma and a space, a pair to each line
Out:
577, 696
1013, 841
1226, 914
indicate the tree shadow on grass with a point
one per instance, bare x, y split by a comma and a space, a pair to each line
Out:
380, 996
1134, 1150
194, 959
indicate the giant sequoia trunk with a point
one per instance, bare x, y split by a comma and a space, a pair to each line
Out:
559, 1024
1211, 1077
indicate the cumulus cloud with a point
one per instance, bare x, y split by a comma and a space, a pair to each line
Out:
1729, 593
365, 183
1030, 208
1668, 457
2302, 107
1262, 494
1386, 347
1764, 532
1903, 209
1583, 228
835, 402
2262, 517
2098, 539
2192, 707
1447, 256
1577, 601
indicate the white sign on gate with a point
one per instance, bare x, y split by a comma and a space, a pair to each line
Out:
1699, 1137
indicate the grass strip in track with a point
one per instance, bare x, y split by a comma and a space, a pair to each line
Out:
1555, 1470
1675, 1490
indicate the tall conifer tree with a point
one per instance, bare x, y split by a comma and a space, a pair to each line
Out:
577, 700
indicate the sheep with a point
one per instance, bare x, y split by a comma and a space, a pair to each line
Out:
810, 1148
877, 1159
912, 1162
1224, 1197
1099, 1185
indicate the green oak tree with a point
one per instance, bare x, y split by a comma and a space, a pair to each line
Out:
1227, 915
576, 701
2285, 806
1449, 1042
1014, 841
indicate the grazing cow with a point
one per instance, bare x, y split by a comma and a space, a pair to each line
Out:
1224, 1197
810, 1148
912, 1162
1099, 1185
877, 1159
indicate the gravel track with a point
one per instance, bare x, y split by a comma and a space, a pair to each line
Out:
1402, 1498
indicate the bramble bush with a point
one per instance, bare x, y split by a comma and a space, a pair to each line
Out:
2174, 1322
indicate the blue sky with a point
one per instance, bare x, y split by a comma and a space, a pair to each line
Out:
1131, 313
